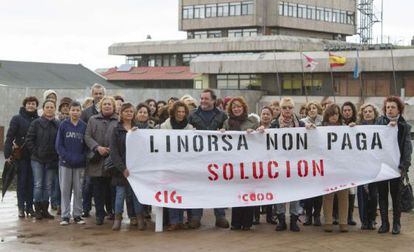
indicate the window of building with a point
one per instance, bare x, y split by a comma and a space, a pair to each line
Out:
320, 14
235, 81
214, 34
301, 11
173, 60
335, 16
187, 58
200, 34
199, 11
188, 12
223, 10
235, 9
211, 10
311, 12
235, 33
166, 60
285, 9
247, 8
249, 32
342, 17
328, 15
198, 84
293, 10
350, 18
281, 8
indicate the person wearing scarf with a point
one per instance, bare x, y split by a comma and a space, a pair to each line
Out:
237, 110
177, 121
393, 109
367, 194
313, 206
287, 119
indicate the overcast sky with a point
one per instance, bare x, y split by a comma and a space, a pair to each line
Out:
80, 31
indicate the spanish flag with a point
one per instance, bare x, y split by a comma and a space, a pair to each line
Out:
336, 61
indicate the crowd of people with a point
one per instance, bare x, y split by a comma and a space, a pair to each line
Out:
72, 152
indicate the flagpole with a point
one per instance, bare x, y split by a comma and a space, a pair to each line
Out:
332, 78
277, 76
303, 72
361, 83
393, 71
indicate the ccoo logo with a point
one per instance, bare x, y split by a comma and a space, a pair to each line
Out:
167, 197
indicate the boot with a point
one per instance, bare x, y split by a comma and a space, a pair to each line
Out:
351, 207
195, 224
133, 221
293, 223
38, 211
317, 220
30, 213
141, 222
385, 224
396, 226
117, 222
269, 215
281, 226
222, 222
308, 220
343, 228
21, 213
328, 228
45, 211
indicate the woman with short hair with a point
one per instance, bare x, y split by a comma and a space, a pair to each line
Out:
393, 110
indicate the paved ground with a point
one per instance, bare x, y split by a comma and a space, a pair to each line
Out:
31, 235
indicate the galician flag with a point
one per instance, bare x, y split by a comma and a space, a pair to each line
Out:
310, 63
336, 61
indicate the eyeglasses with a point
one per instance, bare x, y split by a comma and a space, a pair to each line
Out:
287, 107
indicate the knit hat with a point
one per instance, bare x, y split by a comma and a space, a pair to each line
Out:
48, 92
64, 100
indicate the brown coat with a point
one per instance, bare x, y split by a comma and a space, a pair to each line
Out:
98, 133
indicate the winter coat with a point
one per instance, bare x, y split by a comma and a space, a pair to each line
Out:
167, 125
19, 125
196, 119
404, 141
70, 144
118, 154
275, 123
88, 113
250, 123
98, 133
40, 140
317, 122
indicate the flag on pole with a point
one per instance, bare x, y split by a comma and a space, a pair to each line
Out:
310, 63
336, 61
357, 69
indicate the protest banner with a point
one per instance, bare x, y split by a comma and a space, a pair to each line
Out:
212, 169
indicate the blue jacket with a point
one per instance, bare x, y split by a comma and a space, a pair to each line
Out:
70, 144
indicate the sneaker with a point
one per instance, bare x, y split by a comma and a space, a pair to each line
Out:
79, 220
64, 222
86, 214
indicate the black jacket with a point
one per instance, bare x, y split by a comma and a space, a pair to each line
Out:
199, 123
118, 154
41, 138
17, 131
404, 141
88, 113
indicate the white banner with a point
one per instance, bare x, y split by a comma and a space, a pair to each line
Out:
210, 169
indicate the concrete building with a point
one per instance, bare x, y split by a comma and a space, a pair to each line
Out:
327, 19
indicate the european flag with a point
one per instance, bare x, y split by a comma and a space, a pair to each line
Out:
356, 68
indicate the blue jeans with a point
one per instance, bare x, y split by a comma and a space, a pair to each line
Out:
24, 185
197, 213
176, 215
55, 195
121, 194
42, 180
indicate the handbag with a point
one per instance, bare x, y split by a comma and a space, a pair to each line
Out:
93, 156
108, 166
407, 198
